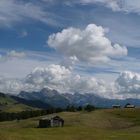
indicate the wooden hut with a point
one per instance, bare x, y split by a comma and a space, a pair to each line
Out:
53, 122
129, 106
116, 106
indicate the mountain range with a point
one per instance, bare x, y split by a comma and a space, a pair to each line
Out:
48, 98
51, 97
10, 103
56, 99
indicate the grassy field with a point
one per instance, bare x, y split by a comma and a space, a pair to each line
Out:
8, 104
118, 124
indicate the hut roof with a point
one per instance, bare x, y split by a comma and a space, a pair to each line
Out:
57, 118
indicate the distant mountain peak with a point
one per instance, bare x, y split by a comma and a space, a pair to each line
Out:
56, 99
50, 96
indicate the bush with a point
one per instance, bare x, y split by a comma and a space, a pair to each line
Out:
89, 108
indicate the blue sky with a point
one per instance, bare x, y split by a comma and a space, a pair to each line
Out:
30, 34
123, 27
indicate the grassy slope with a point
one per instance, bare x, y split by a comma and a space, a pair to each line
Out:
131, 115
97, 125
7, 104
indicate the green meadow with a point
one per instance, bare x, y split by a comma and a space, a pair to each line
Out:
104, 124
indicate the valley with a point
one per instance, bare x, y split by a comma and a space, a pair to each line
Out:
104, 124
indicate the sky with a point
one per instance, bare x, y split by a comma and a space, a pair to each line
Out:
85, 46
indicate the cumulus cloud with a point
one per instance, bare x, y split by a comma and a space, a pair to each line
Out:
56, 77
127, 85
53, 74
64, 80
89, 45
69, 62
128, 82
14, 86
17, 64
10, 85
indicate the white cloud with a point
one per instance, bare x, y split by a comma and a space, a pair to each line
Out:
14, 53
89, 45
11, 86
51, 74
131, 6
116, 5
11, 55
17, 64
14, 11
69, 62
62, 79
55, 77
128, 83
113, 4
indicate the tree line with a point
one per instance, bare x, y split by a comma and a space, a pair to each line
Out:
8, 116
